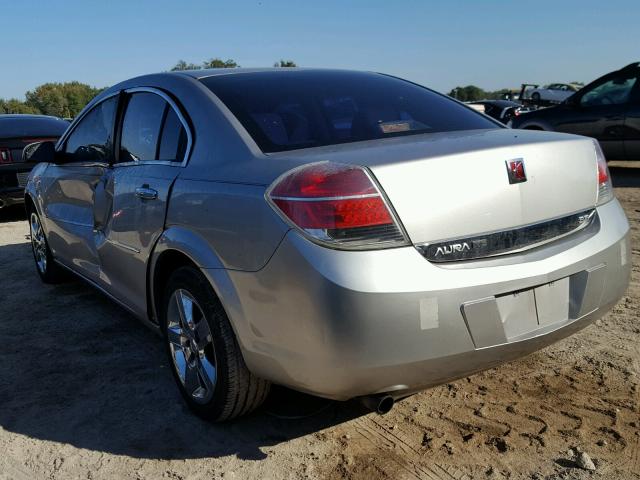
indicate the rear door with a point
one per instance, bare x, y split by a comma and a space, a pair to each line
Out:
68, 189
153, 146
599, 112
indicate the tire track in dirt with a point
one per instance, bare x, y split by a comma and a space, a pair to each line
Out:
398, 447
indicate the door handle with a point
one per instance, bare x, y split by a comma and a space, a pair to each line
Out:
146, 193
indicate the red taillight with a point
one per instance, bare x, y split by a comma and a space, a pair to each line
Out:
603, 173
336, 204
605, 187
5, 155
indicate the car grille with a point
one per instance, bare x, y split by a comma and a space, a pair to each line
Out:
506, 241
23, 177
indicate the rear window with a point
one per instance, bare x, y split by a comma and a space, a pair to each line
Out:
290, 110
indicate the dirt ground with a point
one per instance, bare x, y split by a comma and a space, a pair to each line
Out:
85, 392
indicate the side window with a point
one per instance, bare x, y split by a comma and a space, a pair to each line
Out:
141, 127
92, 139
151, 130
615, 91
173, 140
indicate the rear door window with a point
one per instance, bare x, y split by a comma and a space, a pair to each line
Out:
151, 130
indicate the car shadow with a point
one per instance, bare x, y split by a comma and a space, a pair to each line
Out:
13, 213
77, 369
624, 177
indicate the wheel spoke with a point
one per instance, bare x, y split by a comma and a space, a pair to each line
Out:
191, 379
185, 308
180, 362
175, 335
208, 373
203, 334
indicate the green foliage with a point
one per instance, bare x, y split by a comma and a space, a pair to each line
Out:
58, 99
285, 63
182, 65
211, 63
219, 63
13, 105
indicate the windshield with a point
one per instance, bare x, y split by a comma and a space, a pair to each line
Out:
287, 110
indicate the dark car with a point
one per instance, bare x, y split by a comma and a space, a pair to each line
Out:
501, 110
607, 109
16, 132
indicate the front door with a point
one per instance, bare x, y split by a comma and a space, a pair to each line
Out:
69, 188
152, 150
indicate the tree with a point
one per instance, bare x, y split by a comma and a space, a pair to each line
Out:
182, 65
285, 63
13, 105
60, 99
219, 63
470, 93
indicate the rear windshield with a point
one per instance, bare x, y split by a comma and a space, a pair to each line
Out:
287, 110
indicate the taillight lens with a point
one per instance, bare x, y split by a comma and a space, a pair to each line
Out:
336, 205
605, 188
5, 155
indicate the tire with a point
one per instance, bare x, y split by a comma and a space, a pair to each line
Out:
535, 96
203, 352
48, 270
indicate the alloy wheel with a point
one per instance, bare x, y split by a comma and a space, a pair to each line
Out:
191, 346
38, 243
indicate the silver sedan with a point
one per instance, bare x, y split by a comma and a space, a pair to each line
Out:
345, 234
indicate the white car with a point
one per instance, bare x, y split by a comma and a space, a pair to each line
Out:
554, 92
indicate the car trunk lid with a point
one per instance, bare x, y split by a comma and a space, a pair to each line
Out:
456, 185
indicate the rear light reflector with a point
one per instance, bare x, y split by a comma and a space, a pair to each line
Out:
336, 205
605, 187
5, 155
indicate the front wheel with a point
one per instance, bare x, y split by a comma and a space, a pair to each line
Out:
203, 351
48, 270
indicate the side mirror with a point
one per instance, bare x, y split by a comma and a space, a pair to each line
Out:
40, 152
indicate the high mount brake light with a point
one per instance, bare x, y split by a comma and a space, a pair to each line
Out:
605, 188
336, 205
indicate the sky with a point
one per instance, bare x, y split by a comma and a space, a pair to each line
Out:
440, 44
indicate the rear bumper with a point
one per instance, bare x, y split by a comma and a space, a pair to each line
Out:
343, 324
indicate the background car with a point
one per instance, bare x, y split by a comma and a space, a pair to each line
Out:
554, 92
607, 109
346, 234
501, 110
16, 131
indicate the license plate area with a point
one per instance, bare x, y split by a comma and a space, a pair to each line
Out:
518, 315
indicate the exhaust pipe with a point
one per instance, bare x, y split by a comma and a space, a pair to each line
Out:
380, 404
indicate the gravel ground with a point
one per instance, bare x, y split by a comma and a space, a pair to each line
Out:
85, 392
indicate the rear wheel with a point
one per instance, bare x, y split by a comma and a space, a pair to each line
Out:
203, 352
535, 97
48, 270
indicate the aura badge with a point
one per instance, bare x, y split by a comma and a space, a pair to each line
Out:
516, 171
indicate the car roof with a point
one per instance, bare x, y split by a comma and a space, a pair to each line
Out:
211, 72
26, 116
23, 125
